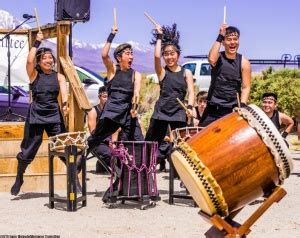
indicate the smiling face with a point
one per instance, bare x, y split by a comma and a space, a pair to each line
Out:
125, 59
231, 43
269, 105
170, 55
46, 61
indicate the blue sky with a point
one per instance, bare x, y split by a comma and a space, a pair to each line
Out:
269, 28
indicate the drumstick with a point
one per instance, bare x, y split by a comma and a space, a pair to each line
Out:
183, 106
170, 132
238, 100
224, 15
134, 105
150, 19
115, 17
37, 19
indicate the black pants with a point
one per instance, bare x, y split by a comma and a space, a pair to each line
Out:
105, 127
213, 113
158, 129
104, 151
33, 136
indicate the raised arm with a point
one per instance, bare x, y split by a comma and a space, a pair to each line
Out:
246, 80
157, 54
31, 59
214, 52
109, 65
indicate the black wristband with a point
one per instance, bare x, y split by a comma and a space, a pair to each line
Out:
110, 37
159, 36
36, 44
243, 104
284, 134
189, 107
220, 38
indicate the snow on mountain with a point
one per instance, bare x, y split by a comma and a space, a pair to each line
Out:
88, 54
7, 21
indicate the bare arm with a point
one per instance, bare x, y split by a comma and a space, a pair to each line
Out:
92, 119
109, 65
157, 56
246, 80
63, 92
137, 85
30, 65
136, 91
287, 121
214, 52
190, 87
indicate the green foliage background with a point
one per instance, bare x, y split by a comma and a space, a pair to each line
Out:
285, 83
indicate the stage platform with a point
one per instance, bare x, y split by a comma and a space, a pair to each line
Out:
36, 176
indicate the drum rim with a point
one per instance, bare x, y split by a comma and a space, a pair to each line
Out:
258, 120
212, 188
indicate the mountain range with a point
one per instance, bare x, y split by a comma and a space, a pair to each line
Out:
87, 54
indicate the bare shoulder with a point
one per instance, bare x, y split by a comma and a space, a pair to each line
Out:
92, 112
137, 75
245, 62
188, 72
61, 77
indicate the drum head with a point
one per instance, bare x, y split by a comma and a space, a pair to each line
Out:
193, 183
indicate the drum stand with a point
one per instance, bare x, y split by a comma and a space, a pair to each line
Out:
70, 154
230, 229
172, 195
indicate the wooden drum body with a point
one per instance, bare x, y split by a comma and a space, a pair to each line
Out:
233, 161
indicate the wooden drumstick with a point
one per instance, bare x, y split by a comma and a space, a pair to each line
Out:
238, 100
135, 104
185, 108
37, 19
115, 17
151, 19
224, 16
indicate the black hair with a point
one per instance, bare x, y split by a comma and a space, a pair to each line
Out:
102, 89
202, 95
232, 29
39, 54
170, 37
274, 95
120, 49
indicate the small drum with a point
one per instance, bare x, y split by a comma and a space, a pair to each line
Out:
233, 161
183, 134
136, 161
60, 142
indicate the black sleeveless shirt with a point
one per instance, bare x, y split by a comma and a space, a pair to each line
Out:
120, 93
172, 86
275, 119
44, 108
226, 78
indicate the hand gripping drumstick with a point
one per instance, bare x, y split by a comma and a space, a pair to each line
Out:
151, 19
37, 19
185, 108
115, 17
